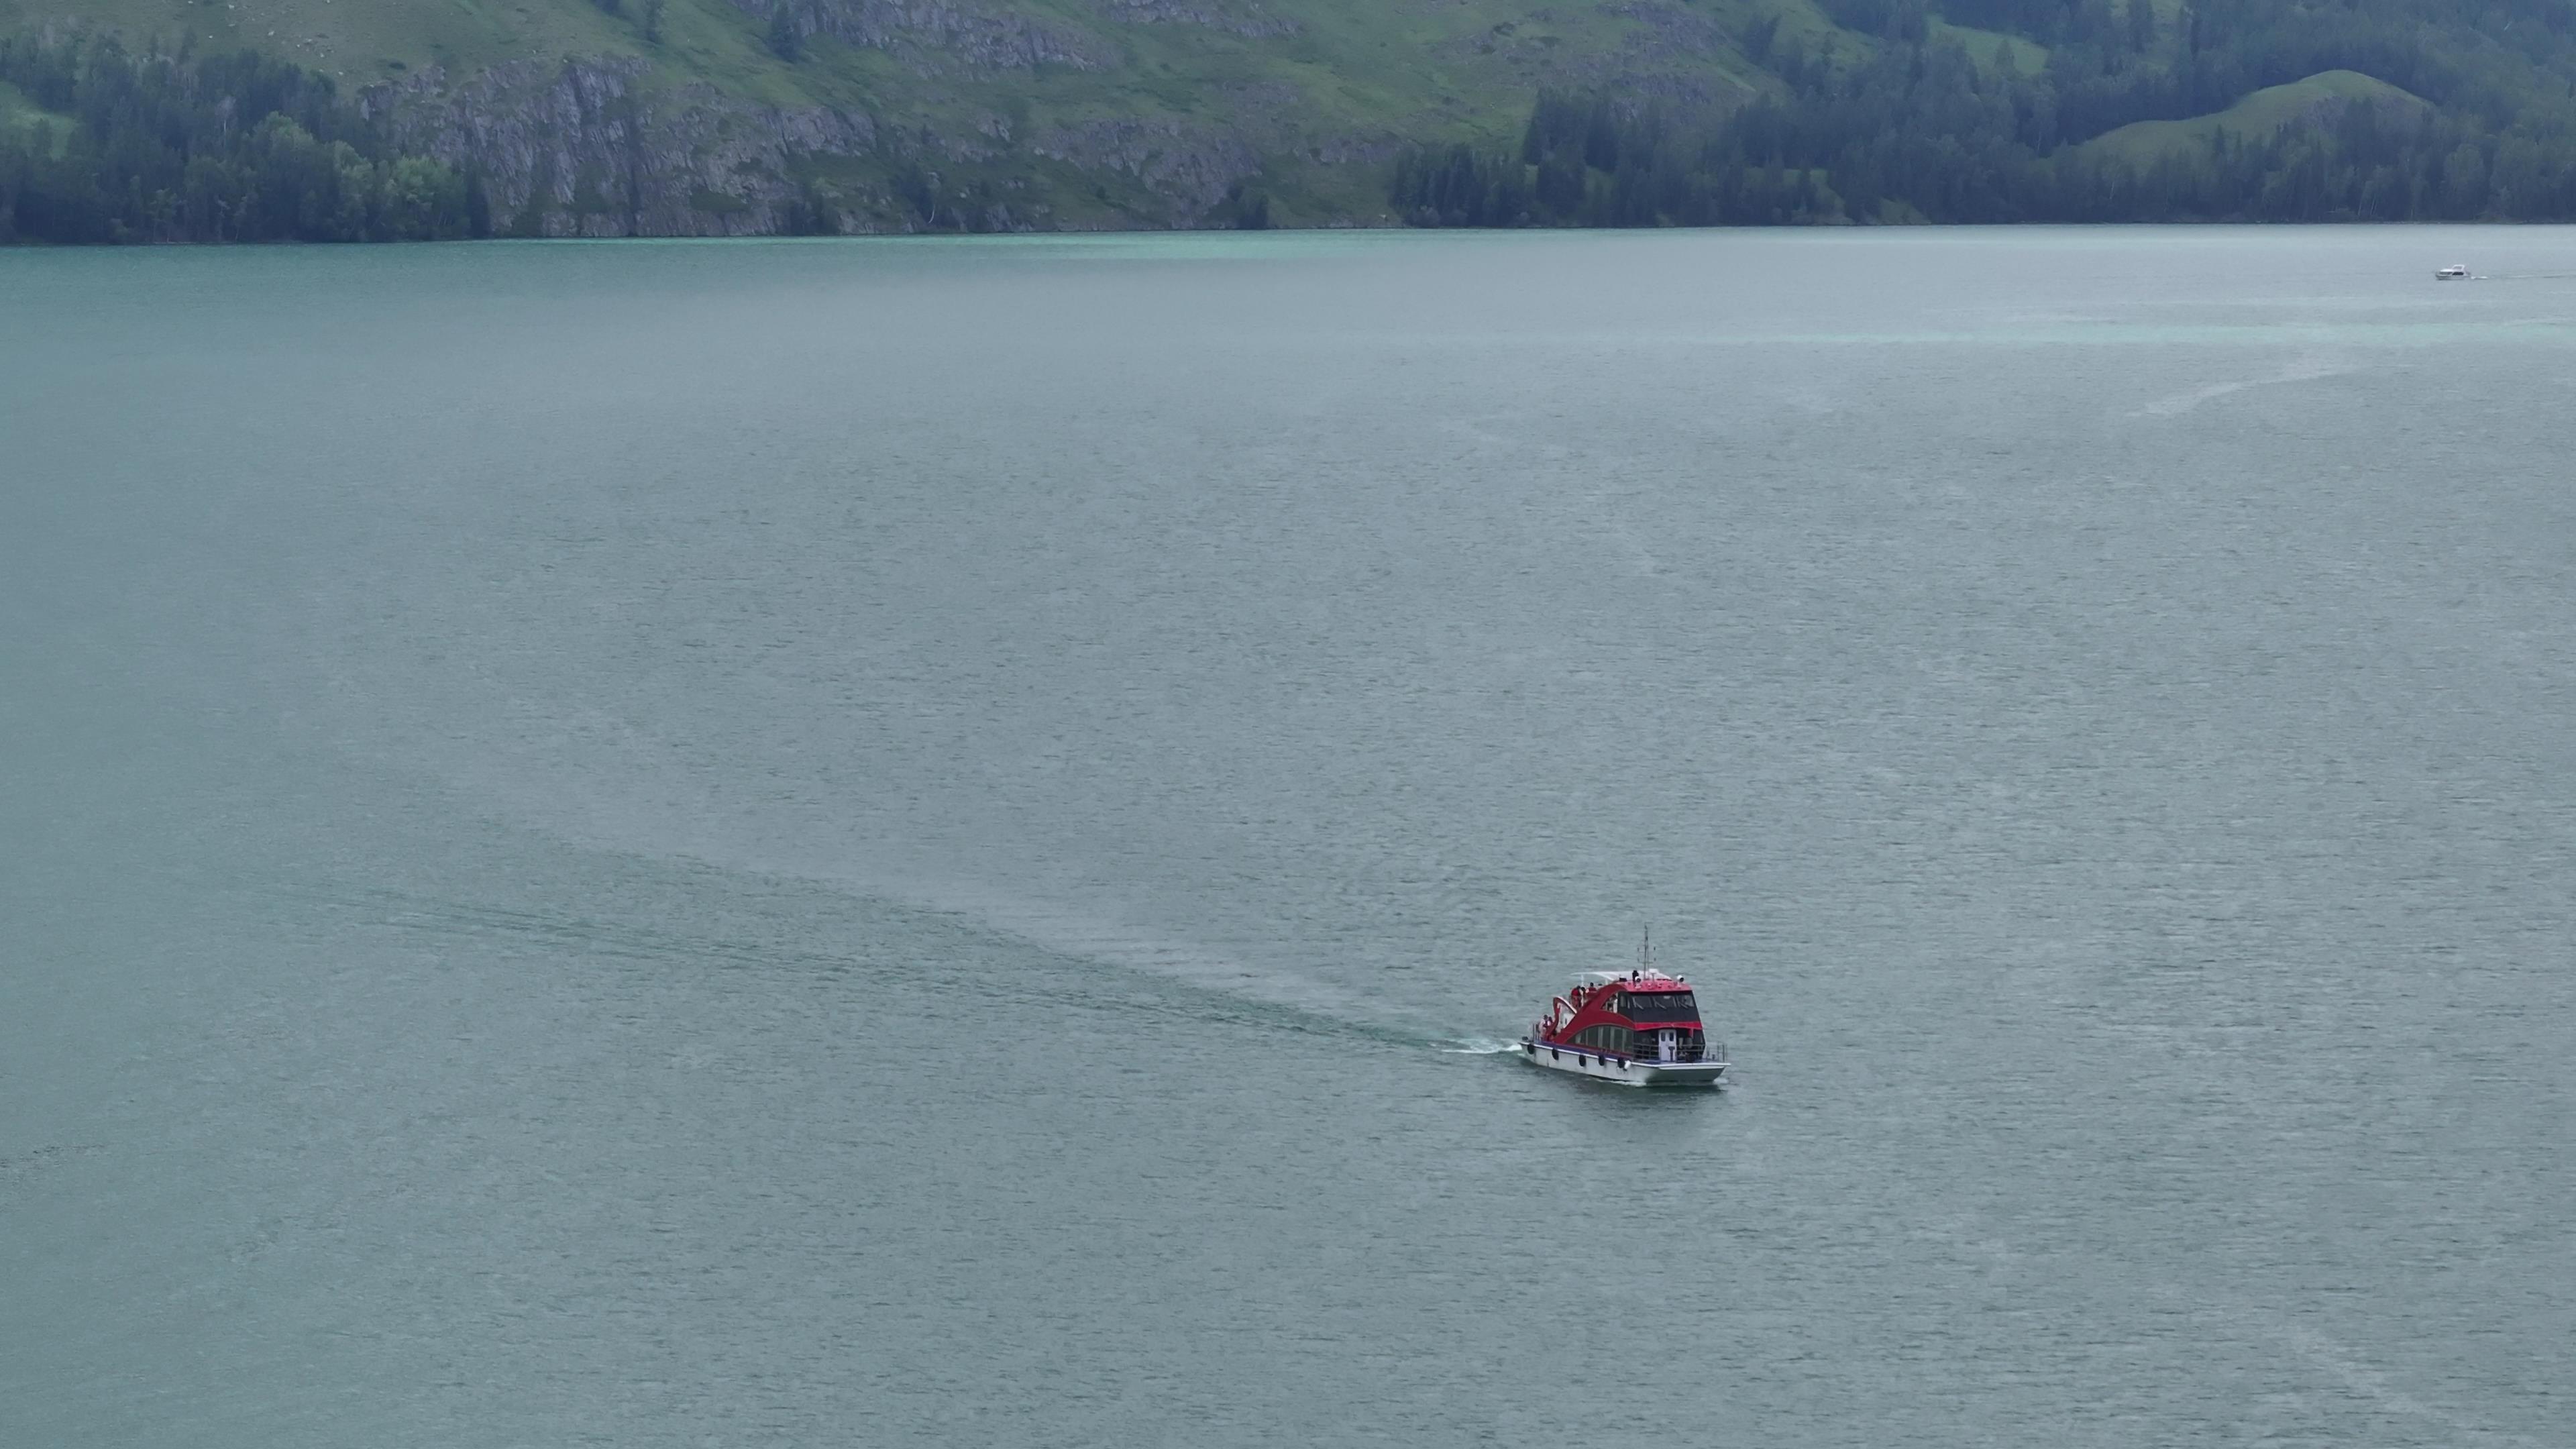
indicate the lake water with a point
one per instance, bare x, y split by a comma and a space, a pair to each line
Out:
933, 842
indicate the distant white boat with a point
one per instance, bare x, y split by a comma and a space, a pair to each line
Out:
2451, 274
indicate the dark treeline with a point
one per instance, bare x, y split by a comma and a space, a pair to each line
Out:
1909, 126
218, 148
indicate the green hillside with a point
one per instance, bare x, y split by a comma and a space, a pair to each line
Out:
1309, 86
340, 37
2069, 110
2258, 117
1993, 50
626, 117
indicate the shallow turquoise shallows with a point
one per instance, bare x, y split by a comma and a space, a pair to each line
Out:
934, 843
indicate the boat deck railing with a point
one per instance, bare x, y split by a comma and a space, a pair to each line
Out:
1711, 1054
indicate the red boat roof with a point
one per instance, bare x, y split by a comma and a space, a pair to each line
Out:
1598, 998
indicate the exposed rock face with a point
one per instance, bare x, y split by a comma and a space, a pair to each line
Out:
1235, 17
934, 37
581, 148
1193, 168
1642, 68
587, 148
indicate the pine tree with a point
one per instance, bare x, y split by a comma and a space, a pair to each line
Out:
786, 36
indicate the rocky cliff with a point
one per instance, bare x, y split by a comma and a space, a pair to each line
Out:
735, 117
589, 148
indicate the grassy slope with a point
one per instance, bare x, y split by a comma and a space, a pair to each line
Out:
1364, 61
349, 38
2259, 115
17, 110
1995, 51
17, 113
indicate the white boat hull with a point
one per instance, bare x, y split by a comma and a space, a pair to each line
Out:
1625, 1071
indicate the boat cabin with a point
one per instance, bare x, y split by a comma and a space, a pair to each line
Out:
1644, 1016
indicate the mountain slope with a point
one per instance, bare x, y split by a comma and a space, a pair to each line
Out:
921, 113
2260, 116
2071, 110
697, 117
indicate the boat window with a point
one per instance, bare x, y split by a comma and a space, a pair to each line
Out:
1660, 1006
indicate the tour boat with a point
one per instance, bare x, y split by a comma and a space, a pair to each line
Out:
2451, 274
1641, 1029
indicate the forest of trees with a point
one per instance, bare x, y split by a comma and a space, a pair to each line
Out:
207, 148
1910, 126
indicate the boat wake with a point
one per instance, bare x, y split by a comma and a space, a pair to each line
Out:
1057, 918
1225, 984
1287, 997
2303, 370
1477, 1046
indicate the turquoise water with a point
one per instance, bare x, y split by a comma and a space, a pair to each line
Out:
878, 843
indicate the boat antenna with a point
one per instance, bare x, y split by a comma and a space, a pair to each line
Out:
1646, 952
